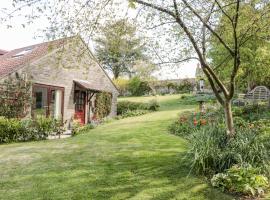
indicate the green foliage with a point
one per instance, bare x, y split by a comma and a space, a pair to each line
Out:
188, 100
183, 125
252, 112
261, 126
77, 128
134, 113
103, 104
137, 87
242, 180
15, 99
254, 53
15, 130
124, 106
187, 123
185, 87
44, 126
205, 97
194, 99
113, 149
153, 105
119, 47
211, 151
180, 129
144, 69
122, 85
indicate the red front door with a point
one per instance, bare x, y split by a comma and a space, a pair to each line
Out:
80, 97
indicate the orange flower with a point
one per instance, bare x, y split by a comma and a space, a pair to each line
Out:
203, 122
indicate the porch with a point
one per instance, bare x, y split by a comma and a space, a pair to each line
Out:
54, 101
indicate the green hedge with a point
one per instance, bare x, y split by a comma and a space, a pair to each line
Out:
125, 106
16, 130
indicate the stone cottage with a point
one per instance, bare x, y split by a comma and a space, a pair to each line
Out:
65, 78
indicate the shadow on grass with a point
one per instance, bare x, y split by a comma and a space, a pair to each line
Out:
118, 175
127, 159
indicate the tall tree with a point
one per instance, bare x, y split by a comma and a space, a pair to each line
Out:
255, 56
144, 70
119, 48
199, 21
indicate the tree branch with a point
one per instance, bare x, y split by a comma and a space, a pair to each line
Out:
209, 28
177, 61
153, 27
236, 50
155, 7
223, 11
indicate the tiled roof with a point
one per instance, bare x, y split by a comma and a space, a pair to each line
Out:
17, 58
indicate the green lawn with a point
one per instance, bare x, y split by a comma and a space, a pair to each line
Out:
133, 158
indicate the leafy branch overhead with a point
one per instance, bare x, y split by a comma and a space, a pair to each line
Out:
200, 21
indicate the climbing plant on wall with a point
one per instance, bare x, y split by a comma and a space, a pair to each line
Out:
103, 104
15, 97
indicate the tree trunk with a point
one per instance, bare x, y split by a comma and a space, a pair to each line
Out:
229, 118
116, 74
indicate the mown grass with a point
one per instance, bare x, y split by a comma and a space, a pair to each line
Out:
133, 158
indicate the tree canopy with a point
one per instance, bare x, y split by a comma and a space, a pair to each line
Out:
254, 69
119, 48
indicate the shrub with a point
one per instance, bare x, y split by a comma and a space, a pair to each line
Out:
75, 127
15, 130
212, 152
184, 87
188, 99
134, 113
44, 126
252, 112
181, 129
11, 130
153, 105
261, 126
239, 122
244, 180
124, 106
79, 129
194, 99
187, 123
122, 85
137, 87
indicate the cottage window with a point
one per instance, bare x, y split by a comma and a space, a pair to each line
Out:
38, 100
48, 101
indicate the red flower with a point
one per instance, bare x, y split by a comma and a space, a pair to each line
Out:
203, 122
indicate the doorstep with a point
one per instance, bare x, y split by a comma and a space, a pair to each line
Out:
66, 134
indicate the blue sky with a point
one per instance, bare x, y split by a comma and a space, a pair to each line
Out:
17, 36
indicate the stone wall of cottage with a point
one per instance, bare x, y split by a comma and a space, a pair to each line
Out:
61, 67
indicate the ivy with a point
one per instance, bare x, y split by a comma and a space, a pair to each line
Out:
103, 104
15, 98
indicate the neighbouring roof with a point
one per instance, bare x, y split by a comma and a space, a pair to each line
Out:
15, 59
